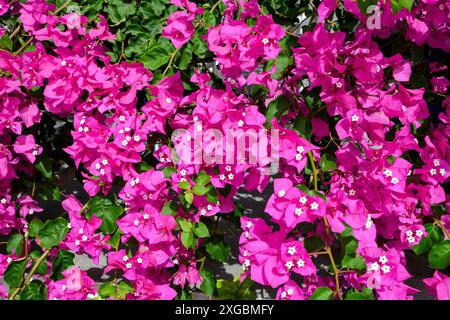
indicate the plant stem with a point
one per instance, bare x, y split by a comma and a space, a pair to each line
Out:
313, 165
65, 4
30, 274
170, 61
24, 46
333, 264
439, 222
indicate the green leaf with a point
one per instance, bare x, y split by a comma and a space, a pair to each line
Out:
118, 10
118, 292
202, 178
314, 243
322, 293
6, 43
53, 232
218, 251
208, 285
14, 244
14, 273
185, 225
359, 296
277, 108
186, 57
199, 190
434, 235
34, 227
114, 241
189, 196
439, 256
107, 210
398, 5
170, 208
356, 263
327, 163
434, 232
45, 167
235, 290
185, 185
201, 230
187, 238
155, 57
423, 246
200, 47
62, 261
364, 4
33, 291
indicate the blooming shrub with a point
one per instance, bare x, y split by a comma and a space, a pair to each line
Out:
351, 97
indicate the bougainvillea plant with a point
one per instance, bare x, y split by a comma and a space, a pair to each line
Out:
135, 99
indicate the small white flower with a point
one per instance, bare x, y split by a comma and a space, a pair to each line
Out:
289, 265
122, 118
355, 118
338, 84
249, 225
137, 138
409, 233
136, 222
146, 216
298, 157
77, 243
124, 258
228, 168
240, 123
374, 266
442, 171
283, 294
352, 192
411, 239
168, 100
265, 41
433, 171
139, 260
80, 231
183, 172
386, 269
222, 177
9, 260
300, 149
383, 259
314, 206
394, 180
247, 262
84, 237
387, 173
203, 212
102, 172
281, 193
63, 63
292, 250
298, 211
231, 176
300, 263
128, 265
436, 163
3, 201
419, 233
124, 143
209, 207
290, 291
303, 200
